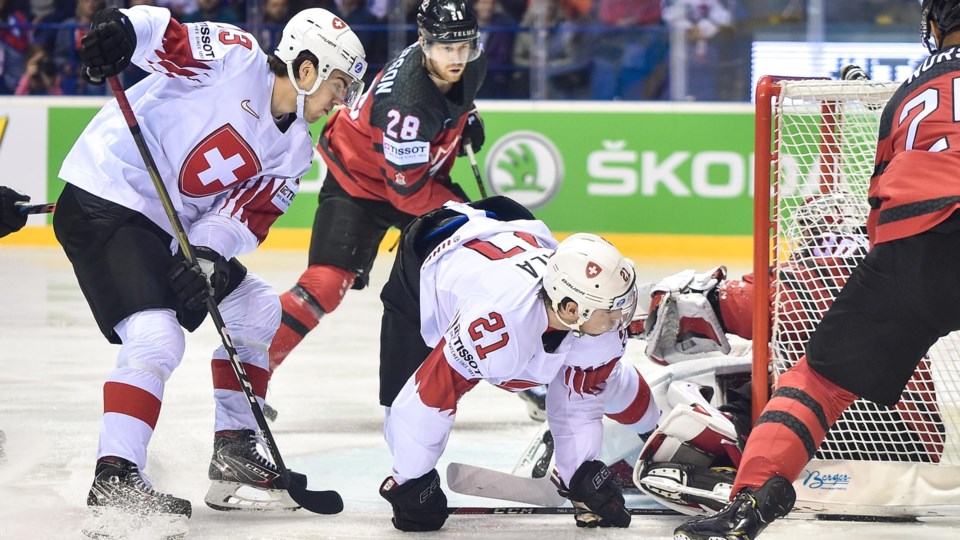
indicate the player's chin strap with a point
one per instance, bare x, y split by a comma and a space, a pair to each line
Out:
301, 93
575, 326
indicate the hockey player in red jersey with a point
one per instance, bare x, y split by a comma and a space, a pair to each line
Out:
229, 129
482, 291
894, 306
389, 160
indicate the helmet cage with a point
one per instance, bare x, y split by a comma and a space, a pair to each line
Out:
838, 213
945, 13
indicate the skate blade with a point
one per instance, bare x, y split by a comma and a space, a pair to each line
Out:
236, 496
107, 522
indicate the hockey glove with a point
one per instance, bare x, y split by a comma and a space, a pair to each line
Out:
207, 278
597, 498
418, 505
108, 47
11, 219
472, 133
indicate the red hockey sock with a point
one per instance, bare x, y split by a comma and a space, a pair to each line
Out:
791, 427
318, 291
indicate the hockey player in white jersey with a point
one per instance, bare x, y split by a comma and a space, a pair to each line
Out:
228, 127
482, 291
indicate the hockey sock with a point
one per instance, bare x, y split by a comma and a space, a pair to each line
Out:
791, 427
318, 291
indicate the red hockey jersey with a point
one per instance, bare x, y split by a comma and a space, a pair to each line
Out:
915, 184
399, 143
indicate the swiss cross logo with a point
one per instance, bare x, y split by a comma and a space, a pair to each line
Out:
593, 270
338, 23
219, 162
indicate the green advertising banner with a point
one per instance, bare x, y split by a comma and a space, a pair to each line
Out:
617, 168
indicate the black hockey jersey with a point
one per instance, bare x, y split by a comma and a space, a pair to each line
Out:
399, 143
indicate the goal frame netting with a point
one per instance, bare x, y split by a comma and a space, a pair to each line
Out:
887, 479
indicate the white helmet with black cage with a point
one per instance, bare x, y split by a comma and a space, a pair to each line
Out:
335, 45
945, 14
590, 271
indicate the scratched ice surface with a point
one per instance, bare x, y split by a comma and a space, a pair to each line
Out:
53, 363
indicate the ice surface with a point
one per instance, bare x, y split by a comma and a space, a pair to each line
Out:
53, 362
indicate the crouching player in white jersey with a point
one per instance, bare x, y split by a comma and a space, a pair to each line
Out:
482, 291
228, 127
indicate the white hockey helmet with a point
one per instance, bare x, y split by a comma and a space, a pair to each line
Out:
334, 44
590, 271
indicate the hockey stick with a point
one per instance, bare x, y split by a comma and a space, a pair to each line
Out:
41, 208
320, 502
482, 482
547, 511
468, 146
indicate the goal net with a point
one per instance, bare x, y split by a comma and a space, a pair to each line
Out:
816, 142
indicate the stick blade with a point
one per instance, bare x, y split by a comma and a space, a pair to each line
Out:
318, 502
481, 482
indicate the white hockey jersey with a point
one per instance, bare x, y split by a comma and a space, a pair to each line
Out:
205, 115
481, 311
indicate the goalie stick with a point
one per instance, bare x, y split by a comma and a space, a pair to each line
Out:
546, 511
320, 502
666, 512
482, 482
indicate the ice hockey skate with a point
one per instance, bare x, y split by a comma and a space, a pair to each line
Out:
122, 504
243, 479
745, 517
536, 400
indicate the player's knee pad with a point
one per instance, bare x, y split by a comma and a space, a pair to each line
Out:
152, 341
252, 314
324, 286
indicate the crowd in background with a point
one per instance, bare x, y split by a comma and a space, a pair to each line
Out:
555, 49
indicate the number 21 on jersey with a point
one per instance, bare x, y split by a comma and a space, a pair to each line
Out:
492, 323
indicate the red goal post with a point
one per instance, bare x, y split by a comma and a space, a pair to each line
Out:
815, 149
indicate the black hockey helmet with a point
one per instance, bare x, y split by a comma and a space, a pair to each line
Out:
945, 13
445, 21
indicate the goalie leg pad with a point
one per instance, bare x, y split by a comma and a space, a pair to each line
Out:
693, 432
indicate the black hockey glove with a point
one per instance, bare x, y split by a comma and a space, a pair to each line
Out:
11, 219
472, 133
108, 47
195, 284
418, 505
597, 498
